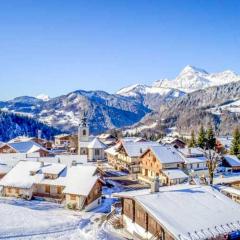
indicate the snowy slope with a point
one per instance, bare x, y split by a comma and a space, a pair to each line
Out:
43, 97
233, 107
191, 79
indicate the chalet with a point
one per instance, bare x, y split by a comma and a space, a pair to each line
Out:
232, 162
195, 162
173, 141
163, 162
78, 186
229, 191
27, 147
128, 154
223, 143
111, 154
180, 212
62, 139
43, 142
107, 139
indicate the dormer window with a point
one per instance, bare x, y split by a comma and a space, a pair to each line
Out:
84, 132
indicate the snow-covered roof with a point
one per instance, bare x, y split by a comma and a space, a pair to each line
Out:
20, 176
112, 151
191, 160
166, 154
175, 174
83, 144
77, 180
53, 168
232, 160
96, 143
61, 135
4, 168
228, 189
80, 179
230, 178
26, 147
191, 211
226, 141
136, 149
191, 152
133, 139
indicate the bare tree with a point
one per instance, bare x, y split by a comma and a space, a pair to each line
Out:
213, 159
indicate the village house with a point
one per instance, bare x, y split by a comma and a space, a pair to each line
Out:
164, 162
231, 162
195, 162
62, 140
128, 153
107, 139
223, 144
27, 147
173, 141
78, 186
179, 212
43, 142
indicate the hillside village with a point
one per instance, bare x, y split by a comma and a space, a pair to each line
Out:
112, 186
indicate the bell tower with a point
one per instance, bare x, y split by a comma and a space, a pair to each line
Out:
83, 132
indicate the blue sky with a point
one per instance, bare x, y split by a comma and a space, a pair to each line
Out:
57, 46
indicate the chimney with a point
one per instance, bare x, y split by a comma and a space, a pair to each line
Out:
74, 163
155, 185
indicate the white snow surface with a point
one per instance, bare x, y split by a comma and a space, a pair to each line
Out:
191, 79
43, 97
38, 220
80, 179
190, 211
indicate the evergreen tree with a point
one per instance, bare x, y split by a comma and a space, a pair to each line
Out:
192, 142
201, 142
210, 138
235, 147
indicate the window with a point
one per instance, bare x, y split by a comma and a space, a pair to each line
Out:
9, 190
59, 190
84, 132
17, 190
47, 189
97, 152
73, 197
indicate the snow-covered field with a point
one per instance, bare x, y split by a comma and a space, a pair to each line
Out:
22, 219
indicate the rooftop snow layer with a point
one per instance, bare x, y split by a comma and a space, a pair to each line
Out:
166, 154
80, 179
190, 211
96, 143
175, 174
135, 149
232, 160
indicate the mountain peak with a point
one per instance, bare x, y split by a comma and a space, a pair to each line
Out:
190, 68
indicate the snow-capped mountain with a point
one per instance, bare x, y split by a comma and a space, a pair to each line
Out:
192, 78
151, 96
125, 108
43, 97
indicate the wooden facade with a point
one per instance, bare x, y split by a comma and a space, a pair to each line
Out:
138, 215
151, 167
7, 149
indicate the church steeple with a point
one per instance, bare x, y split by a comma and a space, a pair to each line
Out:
83, 121
83, 132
